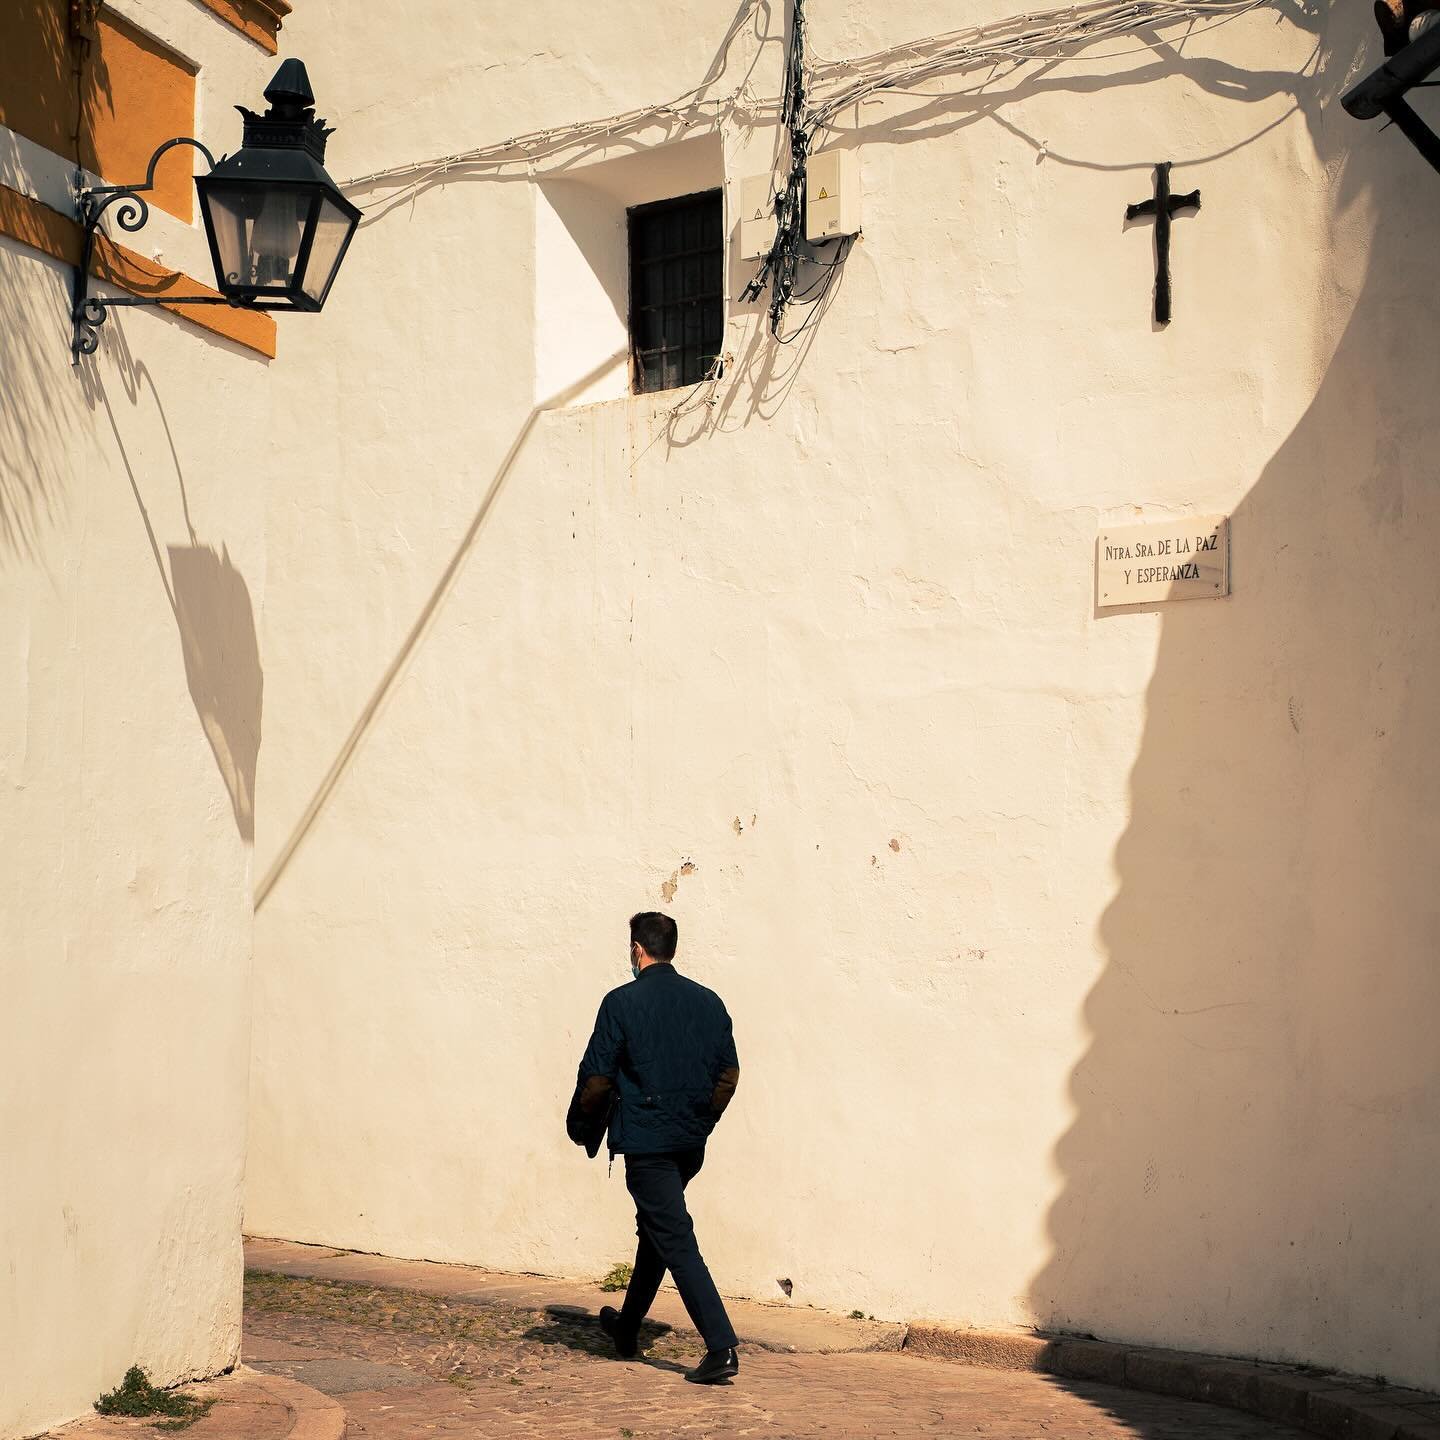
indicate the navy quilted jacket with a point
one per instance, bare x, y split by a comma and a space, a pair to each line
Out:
660, 1068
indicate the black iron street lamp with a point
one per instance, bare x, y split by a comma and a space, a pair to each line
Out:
1383, 91
277, 224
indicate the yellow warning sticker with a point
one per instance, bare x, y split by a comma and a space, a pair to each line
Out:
824, 194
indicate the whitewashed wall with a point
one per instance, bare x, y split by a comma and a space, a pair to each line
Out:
1082, 965
131, 580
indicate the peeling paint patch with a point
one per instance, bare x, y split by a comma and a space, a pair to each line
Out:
894, 845
670, 886
738, 827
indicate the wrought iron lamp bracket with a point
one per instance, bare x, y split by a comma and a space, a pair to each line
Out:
89, 312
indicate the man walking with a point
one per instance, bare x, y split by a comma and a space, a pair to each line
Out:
658, 1073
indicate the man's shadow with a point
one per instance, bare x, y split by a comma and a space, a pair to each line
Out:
575, 1328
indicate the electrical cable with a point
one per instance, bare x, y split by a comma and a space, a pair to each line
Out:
1041, 35
826, 266
780, 266
814, 93
692, 108
816, 306
808, 112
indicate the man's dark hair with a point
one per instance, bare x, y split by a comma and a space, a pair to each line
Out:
655, 933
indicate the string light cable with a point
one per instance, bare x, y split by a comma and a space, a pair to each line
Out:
691, 109
1052, 35
1041, 35
813, 96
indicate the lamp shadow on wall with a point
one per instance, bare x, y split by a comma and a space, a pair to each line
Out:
43, 418
222, 666
1250, 1167
207, 594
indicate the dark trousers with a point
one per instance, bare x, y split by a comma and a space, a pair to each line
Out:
667, 1242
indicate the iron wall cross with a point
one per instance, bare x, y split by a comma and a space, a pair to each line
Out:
1163, 207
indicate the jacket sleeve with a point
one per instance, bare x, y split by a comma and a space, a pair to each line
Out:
729, 1071
589, 1110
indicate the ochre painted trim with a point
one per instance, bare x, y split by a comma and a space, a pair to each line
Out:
259, 19
137, 94
38, 226
57, 236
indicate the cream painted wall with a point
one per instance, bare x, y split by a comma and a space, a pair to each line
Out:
132, 571
1080, 964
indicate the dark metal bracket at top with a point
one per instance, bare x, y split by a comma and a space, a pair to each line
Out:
1383, 92
89, 312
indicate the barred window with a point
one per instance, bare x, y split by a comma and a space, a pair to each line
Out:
677, 266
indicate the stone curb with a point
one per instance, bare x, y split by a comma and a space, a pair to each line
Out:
317, 1416
1336, 1407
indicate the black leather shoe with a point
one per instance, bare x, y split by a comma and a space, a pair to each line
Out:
626, 1345
717, 1365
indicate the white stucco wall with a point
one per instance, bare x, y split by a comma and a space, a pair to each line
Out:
131, 580
1080, 964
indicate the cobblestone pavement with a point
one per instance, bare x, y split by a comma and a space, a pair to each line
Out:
406, 1365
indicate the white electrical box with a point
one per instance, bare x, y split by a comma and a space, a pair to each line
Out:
757, 216
832, 195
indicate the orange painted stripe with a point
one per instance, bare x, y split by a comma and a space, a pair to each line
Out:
124, 268
259, 19
59, 237
38, 226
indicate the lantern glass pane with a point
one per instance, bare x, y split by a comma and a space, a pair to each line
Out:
275, 235
229, 224
331, 229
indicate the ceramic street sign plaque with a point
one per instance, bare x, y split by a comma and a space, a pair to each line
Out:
1185, 559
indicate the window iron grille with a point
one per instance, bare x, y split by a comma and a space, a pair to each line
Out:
677, 303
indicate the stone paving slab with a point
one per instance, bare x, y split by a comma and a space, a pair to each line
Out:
798, 1329
339, 1374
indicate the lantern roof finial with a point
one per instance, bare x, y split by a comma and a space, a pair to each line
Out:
289, 92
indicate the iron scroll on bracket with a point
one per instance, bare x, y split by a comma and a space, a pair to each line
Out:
89, 312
